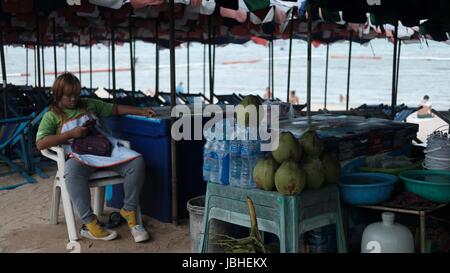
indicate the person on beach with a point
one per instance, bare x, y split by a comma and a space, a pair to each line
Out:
425, 111
293, 99
267, 94
71, 118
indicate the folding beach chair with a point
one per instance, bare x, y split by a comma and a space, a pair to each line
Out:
17, 141
193, 98
232, 99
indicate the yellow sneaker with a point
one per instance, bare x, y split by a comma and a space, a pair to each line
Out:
137, 231
95, 231
130, 216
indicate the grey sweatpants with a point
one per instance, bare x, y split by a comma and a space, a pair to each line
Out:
77, 174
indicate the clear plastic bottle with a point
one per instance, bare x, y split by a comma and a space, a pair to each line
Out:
215, 168
248, 158
235, 162
224, 162
207, 161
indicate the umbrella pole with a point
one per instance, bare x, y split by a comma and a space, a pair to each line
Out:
54, 49
38, 37
398, 66
188, 76
348, 70
308, 83
43, 65
79, 58
204, 69
26, 61
35, 65
90, 59
65, 58
394, 68
113, 60
4, 79
272, 71
291, 31
326, 77
210, 59
270, 68
133, 79
157, 59
213, 59
173, 104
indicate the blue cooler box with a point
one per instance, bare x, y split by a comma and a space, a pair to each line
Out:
151, 137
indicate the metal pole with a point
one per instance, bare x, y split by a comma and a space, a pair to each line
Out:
90, 58
4, 79
65, 58
204, 69
326, 77
398, 66
26, 61
2, 56
394, 68
54, 48
291, 31
272, 70
188, 76
210, 59
308, 82
213, 59
109, 65
348, 71
133, 80
43, 65
38, 54
79, 58
173, 104
35, 65
113, 61
157, 59
270, 67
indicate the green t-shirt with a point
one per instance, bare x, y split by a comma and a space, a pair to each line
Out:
51, 122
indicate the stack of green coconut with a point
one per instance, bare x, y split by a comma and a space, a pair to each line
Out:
297, 164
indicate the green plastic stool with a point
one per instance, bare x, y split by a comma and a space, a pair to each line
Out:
285, 216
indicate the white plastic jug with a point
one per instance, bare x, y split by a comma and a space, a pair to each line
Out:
387, 237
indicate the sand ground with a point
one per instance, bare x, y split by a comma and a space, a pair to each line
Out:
25, 225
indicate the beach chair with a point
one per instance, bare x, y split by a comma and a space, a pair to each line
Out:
99, 180
17, 142
232, 99
165, 97
444, 115
193, 98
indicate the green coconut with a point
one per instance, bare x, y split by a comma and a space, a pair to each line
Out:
264, 173
313, 168
331, 167
311, 143
288, 148
290, 179
243, 118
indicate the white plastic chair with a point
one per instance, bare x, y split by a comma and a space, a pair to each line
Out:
98, 180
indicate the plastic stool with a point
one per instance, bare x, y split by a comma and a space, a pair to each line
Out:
285, 216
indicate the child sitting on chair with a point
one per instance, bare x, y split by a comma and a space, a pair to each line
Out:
72, 119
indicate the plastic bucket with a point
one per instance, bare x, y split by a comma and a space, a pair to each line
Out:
196, 208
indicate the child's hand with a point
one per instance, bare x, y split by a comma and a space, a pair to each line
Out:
79, 132
148, 112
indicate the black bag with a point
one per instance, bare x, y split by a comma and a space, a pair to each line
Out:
93, 144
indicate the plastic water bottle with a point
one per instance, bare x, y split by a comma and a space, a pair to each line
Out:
235, 162
215, 168
224, 162
207, 149
248, 157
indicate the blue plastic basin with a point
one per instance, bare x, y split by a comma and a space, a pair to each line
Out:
366, 188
